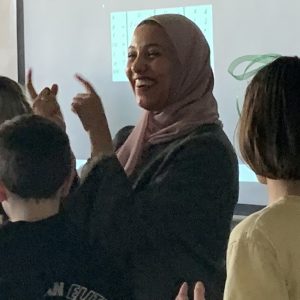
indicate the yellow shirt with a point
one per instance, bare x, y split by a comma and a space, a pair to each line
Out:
263, 256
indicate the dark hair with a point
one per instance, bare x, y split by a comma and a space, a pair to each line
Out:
269, 129
12, 100
35, 157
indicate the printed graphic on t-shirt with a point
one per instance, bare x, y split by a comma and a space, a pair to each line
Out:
73, 292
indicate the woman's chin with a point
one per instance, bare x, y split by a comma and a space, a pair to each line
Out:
143, 103
150, 105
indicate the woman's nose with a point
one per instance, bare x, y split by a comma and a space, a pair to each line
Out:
139, 65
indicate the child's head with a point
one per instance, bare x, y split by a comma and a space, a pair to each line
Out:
269, 131
12, 100
35, 157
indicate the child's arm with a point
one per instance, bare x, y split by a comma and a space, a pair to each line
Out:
45, 103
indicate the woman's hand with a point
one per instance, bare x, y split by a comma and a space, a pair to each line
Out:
199, 292
88, 106
45, 104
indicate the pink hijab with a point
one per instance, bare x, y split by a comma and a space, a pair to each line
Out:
192, 103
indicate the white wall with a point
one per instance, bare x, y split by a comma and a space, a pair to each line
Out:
67, 36
8, 39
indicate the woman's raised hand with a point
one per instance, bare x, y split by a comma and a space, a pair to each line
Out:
88, 106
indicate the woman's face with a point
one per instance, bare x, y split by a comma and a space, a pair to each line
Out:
149, 67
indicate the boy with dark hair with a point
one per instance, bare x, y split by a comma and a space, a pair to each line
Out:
44, 252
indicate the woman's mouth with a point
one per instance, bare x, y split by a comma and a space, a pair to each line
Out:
144, 83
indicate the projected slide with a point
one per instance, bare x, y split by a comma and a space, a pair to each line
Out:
124, 23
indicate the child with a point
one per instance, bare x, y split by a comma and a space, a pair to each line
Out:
44, 253
13, 103
263, 252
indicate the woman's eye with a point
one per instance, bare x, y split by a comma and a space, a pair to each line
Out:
153, 54
131, 55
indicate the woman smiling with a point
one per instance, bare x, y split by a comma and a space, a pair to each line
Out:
168, 215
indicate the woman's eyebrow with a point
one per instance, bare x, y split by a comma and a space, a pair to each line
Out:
153, 45
146, 45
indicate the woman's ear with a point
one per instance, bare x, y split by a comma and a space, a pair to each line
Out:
3, 192
262, 179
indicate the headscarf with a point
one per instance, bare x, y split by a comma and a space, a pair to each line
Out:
191, 102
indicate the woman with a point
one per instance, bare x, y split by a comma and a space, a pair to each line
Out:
172, 211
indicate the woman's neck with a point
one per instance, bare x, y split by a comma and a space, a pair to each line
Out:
278, 189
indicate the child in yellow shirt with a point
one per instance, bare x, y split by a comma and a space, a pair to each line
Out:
263, 261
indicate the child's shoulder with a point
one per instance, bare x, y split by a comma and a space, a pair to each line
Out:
246, 227
272, 221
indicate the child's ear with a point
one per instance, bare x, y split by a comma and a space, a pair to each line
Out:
262, 179
3, 193
68, 183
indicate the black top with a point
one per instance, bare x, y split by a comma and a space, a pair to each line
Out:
54, 258
170, 221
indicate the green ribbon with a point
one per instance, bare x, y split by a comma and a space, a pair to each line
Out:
252, 60
248, 72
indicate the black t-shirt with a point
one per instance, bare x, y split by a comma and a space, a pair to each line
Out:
52, 259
